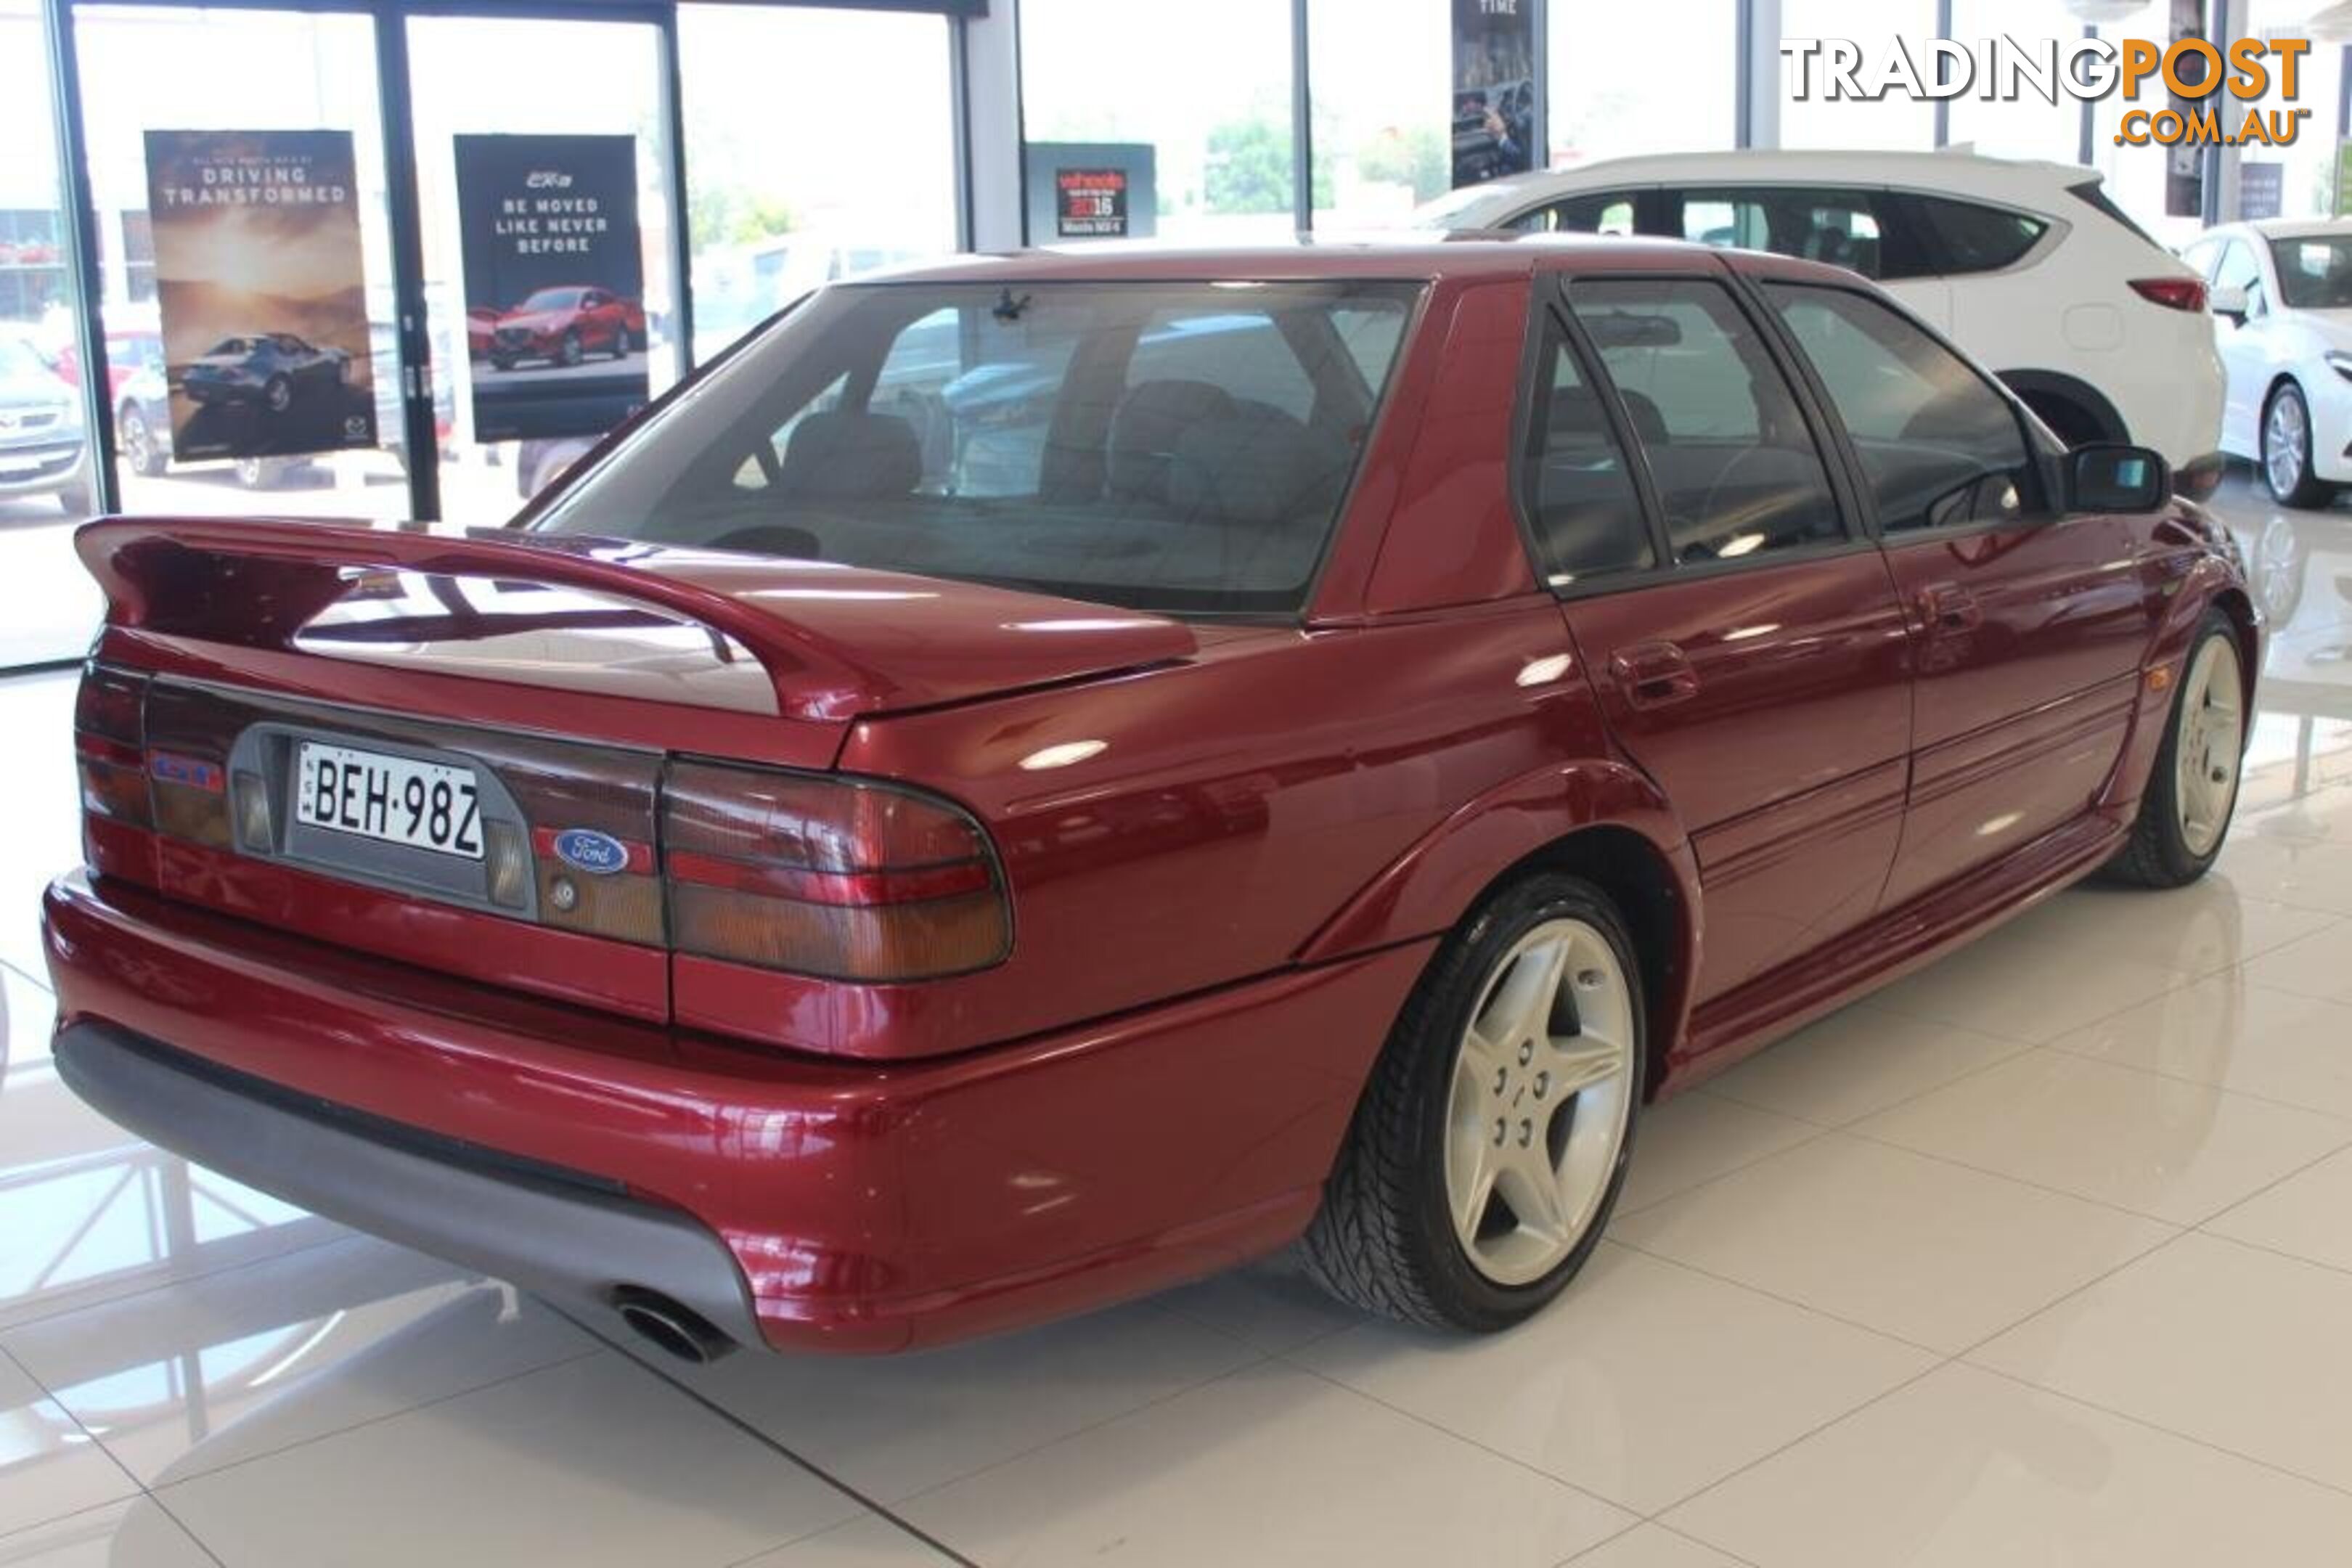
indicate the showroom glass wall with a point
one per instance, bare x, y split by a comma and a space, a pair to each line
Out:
824, 144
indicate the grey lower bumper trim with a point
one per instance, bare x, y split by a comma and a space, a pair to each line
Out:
575, 1241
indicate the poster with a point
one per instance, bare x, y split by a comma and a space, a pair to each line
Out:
2262, 190
555, 313
262, 291
1091, 190
2184, 182
1494, 88
1090, 203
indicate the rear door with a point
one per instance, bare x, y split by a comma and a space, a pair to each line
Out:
1746, 641
2031, 627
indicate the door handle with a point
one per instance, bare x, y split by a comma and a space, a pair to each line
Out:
1654, 674
1949, 607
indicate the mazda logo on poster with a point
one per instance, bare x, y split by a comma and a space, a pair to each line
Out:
554, 264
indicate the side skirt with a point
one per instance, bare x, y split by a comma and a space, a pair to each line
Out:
1743, 1021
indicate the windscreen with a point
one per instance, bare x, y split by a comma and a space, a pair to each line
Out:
2314, 271
1183, 447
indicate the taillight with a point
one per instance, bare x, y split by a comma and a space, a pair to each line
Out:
2173, 293
831, 878
109, 739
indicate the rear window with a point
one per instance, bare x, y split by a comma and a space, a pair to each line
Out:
2091, 192
1976, 238
1175, 446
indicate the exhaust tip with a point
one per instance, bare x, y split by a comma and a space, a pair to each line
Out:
670, 1326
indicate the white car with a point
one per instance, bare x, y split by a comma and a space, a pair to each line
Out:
2028, 267
2283, 319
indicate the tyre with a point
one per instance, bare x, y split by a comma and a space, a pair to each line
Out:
573, 352
2286, 451
140, 448
279, 394
501, 362
620, 343
2192, 791
258, 473
1492, 1136
77, 499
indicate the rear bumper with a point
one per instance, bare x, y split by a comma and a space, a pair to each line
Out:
859, 1207
563, 1236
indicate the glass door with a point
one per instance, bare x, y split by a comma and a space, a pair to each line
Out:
236, 165
545, 194
47, 604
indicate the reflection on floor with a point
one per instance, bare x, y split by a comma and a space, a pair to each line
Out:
2038, 1255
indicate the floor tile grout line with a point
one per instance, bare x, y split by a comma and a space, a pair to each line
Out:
242, 1460
202, 1544
2017, 1048
1815, 1135
2282, 1254
50, 1315
36, 981
2255, 1095
740, 1423
1808, 1307
1466, 1440
2207, 1444
49, 1395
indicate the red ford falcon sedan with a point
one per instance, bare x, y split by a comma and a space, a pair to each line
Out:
1039, 779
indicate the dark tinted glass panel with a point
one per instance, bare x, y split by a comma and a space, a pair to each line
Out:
1975, 238
1939, 444
1736, 465
1588, 515
1603, 212
1840, 228
1181, 447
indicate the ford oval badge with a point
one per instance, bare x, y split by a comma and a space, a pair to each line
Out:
598, 854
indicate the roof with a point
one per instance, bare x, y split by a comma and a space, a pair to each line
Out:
1960, 171
2292, 227
1402, 256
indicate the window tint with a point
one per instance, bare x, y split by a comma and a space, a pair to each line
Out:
1978, 238
1839, 227
1736, 466
1128, 443
1588, 516
1239, 352
2314, 271
1603, 212
1939, 444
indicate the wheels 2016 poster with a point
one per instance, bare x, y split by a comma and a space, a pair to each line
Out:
1494, 88
555, 315
262, 291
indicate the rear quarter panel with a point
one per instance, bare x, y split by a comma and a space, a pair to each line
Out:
1223, 814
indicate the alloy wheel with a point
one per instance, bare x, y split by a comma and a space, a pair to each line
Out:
2206, 752
1541, 1097
2286, 437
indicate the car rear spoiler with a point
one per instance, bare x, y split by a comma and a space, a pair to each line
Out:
257, 583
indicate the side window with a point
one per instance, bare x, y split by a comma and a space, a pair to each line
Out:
1736, 468
2201, 256
1588, 515
1603, 212
1839, 227
2238, 270
1939, 444
1974, 239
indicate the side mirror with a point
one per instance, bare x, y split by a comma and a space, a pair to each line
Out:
2117, 479
2229, 300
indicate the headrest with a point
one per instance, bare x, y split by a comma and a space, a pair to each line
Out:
1145, 430
847, 454
1255, 470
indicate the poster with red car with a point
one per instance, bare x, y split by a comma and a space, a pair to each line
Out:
554, 264
261, 291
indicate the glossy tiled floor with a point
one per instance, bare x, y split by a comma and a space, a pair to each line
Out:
2043, 1257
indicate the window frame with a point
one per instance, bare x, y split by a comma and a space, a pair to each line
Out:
1552, 298
2042, 462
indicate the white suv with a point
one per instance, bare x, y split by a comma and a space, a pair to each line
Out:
2029, 267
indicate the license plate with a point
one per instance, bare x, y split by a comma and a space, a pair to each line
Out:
396, 800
